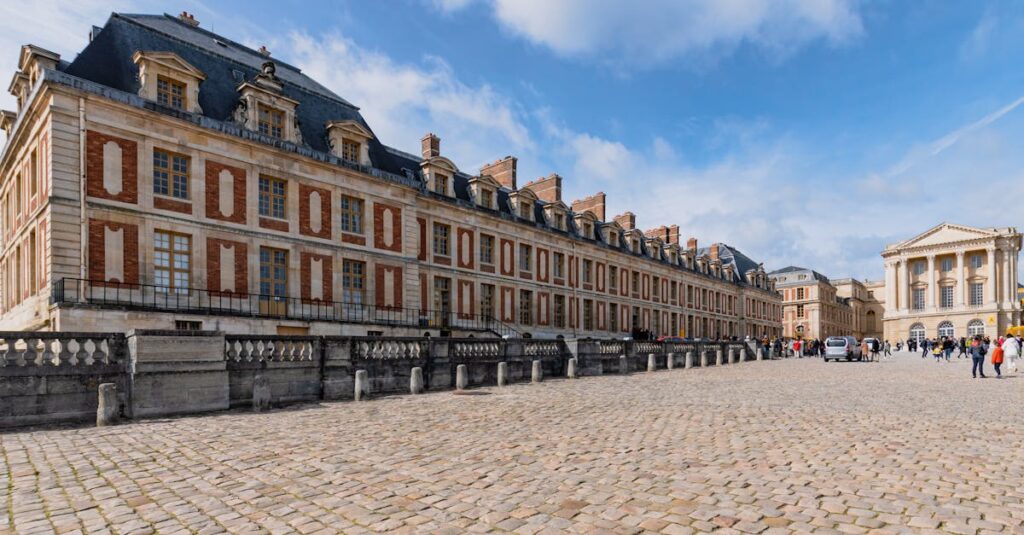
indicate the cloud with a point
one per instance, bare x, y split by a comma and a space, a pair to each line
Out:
980, 38
402, 102
640, 34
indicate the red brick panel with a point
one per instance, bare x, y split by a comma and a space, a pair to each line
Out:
97, 251
43, 251
305, 270
623, 282
664, 291
381, 297
600, 316
572, 274
467, 299
572, 312
392, 242
163, 203
422, 256
305, 221
213, 192
464, 251
508, 258
94, 142
241, 259
423, 293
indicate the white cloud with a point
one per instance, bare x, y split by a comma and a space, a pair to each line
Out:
653, 31
403, 102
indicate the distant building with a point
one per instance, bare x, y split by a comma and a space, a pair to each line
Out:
866, 307
811, 305
952, 280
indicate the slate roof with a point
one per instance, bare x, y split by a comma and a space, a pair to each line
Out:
107, 61
797, 269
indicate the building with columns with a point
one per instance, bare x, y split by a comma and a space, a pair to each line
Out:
169, 177
952, 280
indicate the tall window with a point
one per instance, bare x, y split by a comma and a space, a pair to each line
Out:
946, 265
918, 267
487, 300
588, 271
917, 332
613, 279
486, 249
351, 215
273, 272
975, 327
271, 121
172, 261
636, 282
442, 245
525, 307
917, 299
799, 311
613, 317
588, 315
559, 266
273, 197
976, 261
946, 329
170, 92
946, 297
525, 257
353, 281
559, 314
443, 297
350, 151
656, 287
799, 293
170, 174
524, 210
977, 293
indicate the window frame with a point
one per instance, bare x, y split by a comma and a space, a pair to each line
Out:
525, 258
171, 269
269, 201
173, 176
165, 96
353, 282
352, 211
442, 240
525, 307
487, 249
266, 117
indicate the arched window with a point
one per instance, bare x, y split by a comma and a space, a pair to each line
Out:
946, 329
917, 332
975, 327
871, 321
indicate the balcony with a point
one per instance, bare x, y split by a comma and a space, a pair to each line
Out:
69, 292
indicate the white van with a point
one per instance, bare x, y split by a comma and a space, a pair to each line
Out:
842, 347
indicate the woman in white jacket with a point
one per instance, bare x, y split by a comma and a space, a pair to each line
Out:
1011, 352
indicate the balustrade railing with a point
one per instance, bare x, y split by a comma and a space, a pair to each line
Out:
60, 349
269, 349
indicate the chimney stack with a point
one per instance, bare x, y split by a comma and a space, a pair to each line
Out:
691, 244
431, 146
504, 171
714, 251
547, 189
187, 18
673, 234
626, 220
594, 204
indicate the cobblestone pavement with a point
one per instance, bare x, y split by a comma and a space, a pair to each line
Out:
908, 446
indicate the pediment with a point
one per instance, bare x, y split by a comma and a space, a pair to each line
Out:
947, 233
353, 128
171, 61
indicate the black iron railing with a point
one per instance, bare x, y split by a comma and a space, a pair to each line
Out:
70, 291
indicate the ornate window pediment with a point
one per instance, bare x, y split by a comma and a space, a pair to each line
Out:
586, 222
556, 215
611, 233
522, 203
484, 191
350, 141
439, 174
263, 108
166, 78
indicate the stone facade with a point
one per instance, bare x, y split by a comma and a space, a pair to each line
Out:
952, 280
865, 307
273, 208
811, 305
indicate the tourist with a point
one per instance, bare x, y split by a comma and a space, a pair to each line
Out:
924, 348
865, 350
796, 349
937, 352
997, 358
963, 348
888, 349
875, 346
947, 346
978, 351
1012, 349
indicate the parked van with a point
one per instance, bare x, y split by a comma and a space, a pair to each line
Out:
842, 347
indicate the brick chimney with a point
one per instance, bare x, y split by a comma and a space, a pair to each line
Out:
547, 189
187, 18
691, 244
431, 146
661, 233
626, 220
673, 234
594, 204
714, 251
504, 171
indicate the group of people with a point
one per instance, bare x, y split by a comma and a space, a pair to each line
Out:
1008, 349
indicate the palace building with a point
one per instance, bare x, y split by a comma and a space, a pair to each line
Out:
952, 280
169, 177
811, 306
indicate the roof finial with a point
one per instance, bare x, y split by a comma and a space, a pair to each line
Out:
264, 52
187, 18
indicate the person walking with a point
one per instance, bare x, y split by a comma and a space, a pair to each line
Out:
977, 357
865, 350
997, 358
947, 347
924, 348
1011, 352
888, 349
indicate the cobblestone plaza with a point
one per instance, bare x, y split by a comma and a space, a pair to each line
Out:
907, 446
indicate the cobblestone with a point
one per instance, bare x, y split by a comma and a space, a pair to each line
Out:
794, 446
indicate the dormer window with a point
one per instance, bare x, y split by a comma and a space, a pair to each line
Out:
524, 210
588, 231
440, 184
350, 150
560, 221
635, 246
487, 198
170, 92
271, 121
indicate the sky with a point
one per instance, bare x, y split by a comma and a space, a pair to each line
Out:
802, 132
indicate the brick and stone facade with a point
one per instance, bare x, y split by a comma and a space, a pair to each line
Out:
319, 218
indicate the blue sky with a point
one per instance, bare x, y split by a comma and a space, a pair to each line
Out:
808, 132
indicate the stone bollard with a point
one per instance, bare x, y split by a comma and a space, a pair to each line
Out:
718, 357
260, 393
570, 368
537, 374
743, 355
106, 408
623, 364
732, 356
502, 373
362, 385
460, 377
689, 360
670, 361
652, 362
760, 354
416, 381
704, 359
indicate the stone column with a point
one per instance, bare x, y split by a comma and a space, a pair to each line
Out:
904, 285
930, 301
960, 295
1006, 297
990, 285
